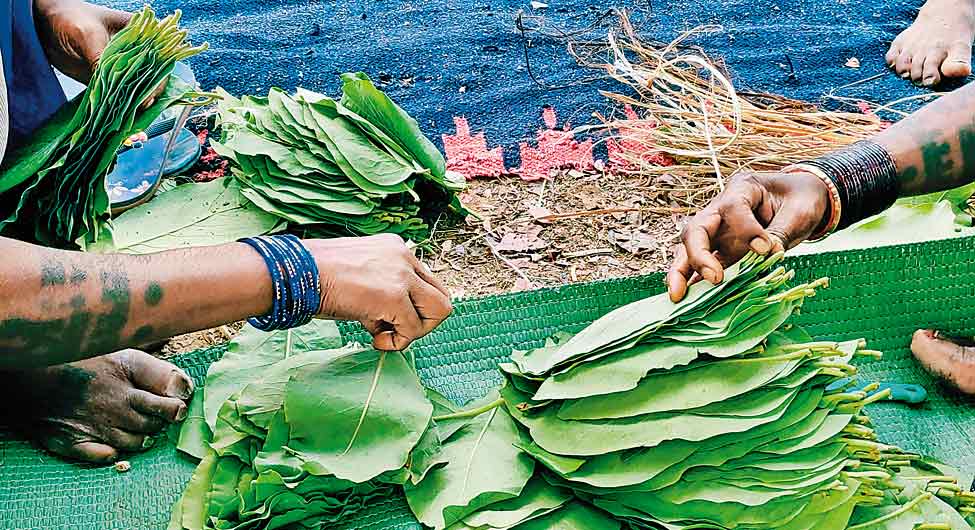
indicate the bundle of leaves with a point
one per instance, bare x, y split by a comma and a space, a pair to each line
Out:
352, 167
52, 188
295, 430
713, 413
709, 413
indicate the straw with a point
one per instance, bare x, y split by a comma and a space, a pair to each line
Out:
682, 104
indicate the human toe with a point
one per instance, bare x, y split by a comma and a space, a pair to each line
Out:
947, 360
931, 71
157, 376
169, 409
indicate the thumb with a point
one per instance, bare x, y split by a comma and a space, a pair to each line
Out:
384, 336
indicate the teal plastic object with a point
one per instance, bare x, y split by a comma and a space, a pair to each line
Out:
904, 393
900, 392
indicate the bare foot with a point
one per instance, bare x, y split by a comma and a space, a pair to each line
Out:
938, 45
93, 409
952, 362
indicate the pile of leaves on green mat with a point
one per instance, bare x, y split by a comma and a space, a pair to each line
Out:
716, 413
295, 430
711, 413
350, 167
52, 189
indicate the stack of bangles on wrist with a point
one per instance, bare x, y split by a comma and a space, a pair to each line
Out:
294, 281
862, 181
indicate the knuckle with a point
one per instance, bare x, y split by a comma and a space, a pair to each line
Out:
782, 234
392, 239
741, 178
404, 275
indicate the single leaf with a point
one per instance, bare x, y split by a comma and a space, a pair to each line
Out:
194, 434
484, 467
191, 215
357, 416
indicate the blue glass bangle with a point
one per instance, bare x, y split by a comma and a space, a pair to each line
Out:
294, 278
268, 321
292, 255
308, 299
308, 279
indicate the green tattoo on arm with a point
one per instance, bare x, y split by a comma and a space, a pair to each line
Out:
52, 273
153, 294
934, 148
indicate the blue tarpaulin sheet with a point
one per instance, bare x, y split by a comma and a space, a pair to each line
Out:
447, 58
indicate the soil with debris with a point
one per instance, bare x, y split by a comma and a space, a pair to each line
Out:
573, 227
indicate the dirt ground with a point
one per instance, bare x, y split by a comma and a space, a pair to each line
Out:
572, 227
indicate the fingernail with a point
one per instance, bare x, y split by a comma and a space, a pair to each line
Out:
180, 414
928, 81
905, 75
760, 245
709, 275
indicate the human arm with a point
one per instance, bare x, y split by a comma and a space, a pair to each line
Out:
58, 306
933, 150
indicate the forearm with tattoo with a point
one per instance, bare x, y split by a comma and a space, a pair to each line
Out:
60, 306
934, 148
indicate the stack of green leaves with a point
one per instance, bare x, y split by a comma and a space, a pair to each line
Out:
357, 166
53, 187
918, 493
295, 430
484, 480
717, 415
709, 413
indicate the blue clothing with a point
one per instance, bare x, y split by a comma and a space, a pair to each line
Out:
33, 90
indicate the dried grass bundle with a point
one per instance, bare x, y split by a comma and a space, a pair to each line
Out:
684, 106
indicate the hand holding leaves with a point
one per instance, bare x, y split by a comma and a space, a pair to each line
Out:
75, 33
378, 282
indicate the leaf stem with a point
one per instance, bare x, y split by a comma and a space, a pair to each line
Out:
470, 413
896, 513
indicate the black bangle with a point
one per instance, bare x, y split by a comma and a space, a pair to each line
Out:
866, 178
294, 280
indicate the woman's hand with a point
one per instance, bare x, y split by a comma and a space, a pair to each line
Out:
74, 34
379, 282
762, 212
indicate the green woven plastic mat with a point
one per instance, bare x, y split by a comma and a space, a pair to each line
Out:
882, 294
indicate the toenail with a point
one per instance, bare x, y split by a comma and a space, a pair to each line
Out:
178, 387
